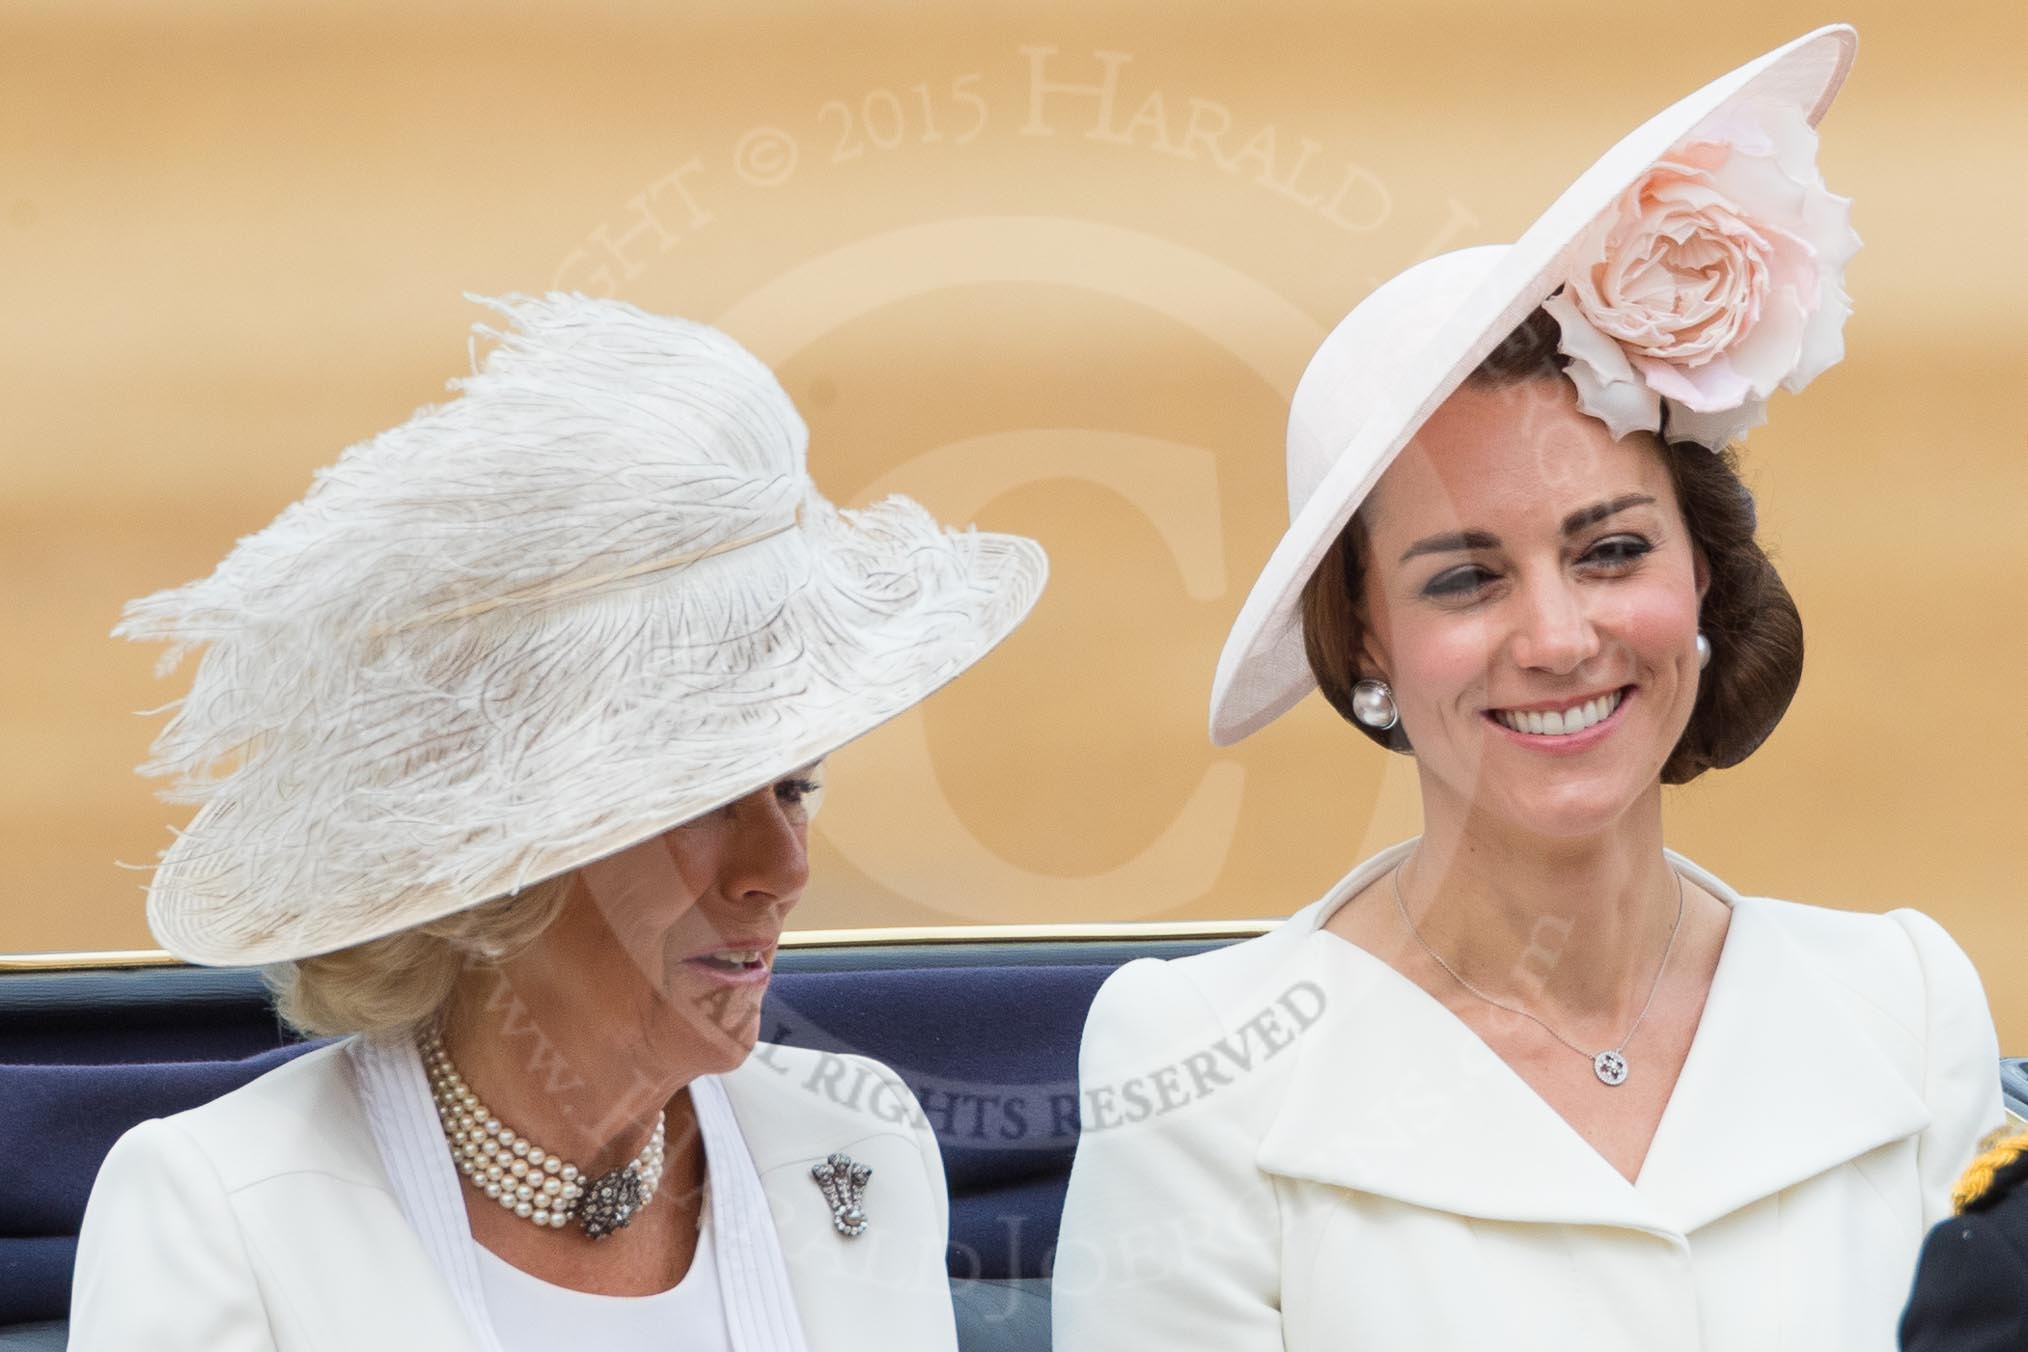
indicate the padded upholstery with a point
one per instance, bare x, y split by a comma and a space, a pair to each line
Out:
1001, 1316
2014, 1084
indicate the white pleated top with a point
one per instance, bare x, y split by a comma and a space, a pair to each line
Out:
742, 1262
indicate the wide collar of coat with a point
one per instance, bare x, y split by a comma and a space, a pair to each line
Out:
1393, 1095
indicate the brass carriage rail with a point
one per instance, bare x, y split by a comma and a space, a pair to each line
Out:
1130, 931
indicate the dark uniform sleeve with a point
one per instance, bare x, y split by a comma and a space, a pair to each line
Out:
1971, 1284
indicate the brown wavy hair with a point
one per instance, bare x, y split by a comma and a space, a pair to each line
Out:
1751, 621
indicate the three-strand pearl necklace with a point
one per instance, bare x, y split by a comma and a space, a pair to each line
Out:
535, 1184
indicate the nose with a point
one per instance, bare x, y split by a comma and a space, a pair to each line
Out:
1553, 629
766, 860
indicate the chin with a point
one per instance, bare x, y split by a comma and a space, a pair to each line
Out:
697, 1046
1572, 812
1571, 827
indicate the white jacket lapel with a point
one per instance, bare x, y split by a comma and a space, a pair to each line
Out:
1785, 1080
400, 1114
753, 1275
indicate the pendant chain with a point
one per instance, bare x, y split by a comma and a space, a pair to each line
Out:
1610, 1065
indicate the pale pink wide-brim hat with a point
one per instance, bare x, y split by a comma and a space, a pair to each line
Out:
590, 598
1409, 345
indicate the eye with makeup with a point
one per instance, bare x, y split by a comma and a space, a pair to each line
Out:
794, 791
1455, 584
800, 790
1613, 556
1617, 553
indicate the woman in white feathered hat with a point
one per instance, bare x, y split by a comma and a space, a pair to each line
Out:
507, 737
1531, 1080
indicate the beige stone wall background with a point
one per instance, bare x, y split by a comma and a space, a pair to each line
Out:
233, 240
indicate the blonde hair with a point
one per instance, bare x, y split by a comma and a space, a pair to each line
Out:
397, 985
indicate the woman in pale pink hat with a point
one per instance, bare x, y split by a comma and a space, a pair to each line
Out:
507, 738
1532, 1080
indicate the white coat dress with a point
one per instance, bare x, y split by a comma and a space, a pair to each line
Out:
1288, 1145
318, 1208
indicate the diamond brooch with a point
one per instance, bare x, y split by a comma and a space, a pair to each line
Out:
844, 1187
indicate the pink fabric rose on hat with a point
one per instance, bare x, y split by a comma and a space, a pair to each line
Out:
1718, 275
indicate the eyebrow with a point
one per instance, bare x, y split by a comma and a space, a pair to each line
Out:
1457, 541
1599, 511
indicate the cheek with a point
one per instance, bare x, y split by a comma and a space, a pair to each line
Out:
1655, 617
639, 895
1442, 657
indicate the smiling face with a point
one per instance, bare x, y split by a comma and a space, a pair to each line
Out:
663, 951
1531, 594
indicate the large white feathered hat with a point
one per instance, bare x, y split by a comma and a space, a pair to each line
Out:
1695, 267
591, 597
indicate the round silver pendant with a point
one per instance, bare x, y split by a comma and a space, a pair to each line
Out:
1610, 1067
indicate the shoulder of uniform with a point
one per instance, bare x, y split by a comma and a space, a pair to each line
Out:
1994, 1174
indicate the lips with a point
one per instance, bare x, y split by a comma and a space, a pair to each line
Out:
736, 959
733, 959
1565, 721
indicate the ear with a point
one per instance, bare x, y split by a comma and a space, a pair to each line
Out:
1373, 660
1701, 571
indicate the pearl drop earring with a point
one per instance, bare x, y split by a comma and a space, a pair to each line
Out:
1703, 651
1373, 705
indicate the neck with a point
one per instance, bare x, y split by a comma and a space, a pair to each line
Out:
540, 1075
1577, 926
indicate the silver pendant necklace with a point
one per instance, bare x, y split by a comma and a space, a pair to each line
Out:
1609, 1065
